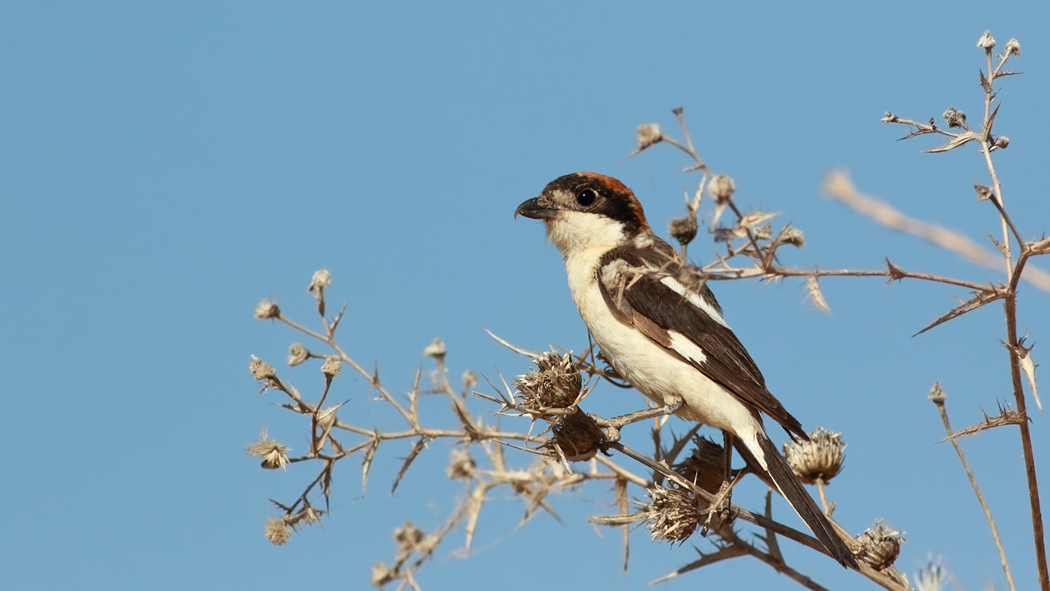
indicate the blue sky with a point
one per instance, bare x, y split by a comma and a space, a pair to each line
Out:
165, 167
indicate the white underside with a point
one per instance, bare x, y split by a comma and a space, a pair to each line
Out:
651, 369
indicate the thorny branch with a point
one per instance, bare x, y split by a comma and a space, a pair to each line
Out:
568, 438
550, 396
1016, 268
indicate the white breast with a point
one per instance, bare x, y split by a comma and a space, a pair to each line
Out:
646, 365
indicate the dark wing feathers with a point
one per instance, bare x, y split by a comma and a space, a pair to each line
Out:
635, 295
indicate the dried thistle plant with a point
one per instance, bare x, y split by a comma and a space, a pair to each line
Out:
879, 545
573, 448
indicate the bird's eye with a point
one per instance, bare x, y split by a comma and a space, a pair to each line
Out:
586, 197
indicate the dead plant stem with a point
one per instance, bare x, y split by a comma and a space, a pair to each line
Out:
980, 498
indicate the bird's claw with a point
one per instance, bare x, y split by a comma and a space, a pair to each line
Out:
719, 512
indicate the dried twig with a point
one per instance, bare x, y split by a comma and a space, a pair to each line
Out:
937, 396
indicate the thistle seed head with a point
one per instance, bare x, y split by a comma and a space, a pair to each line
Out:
332, 366
649, 134
794, 237
408, 538
267, 309
721, 188
462, 466
954, 117
879, 545
556, 383
273, 454
436, 349
261, 370
986, 42
673, 514
277, 531
297, 354
470, 379
577, 438
705, 466
684, 228
321, 279
937, 395
984, 193
820, 457
1013, 47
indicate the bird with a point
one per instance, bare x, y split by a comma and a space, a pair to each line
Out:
660, 327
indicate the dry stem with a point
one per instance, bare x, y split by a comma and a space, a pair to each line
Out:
938, 398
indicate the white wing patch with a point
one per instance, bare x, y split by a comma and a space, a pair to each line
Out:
694, 299
682, 345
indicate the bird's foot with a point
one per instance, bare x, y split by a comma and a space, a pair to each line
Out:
610, 428
719, 512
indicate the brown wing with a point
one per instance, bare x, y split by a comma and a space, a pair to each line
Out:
630, 281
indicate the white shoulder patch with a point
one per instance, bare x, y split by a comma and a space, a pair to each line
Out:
686, 348
694, 299
643, 241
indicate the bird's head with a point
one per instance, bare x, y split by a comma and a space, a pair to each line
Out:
586, 210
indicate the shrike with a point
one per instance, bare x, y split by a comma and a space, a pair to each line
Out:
660, 327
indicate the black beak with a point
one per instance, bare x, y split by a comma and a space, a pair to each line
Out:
535, 210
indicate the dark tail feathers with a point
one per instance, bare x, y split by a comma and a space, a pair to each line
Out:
796, 495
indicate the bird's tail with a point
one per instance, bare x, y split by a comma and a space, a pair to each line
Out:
791, 488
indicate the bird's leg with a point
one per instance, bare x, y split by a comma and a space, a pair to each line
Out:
720, 506
611, 427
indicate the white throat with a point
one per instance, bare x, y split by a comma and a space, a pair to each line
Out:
575, 233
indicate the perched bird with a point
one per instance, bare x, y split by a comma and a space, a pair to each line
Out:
660, 327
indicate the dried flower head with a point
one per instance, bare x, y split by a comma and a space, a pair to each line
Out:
273, 454
934, 576
319, 281
556, 383
277, 531
793, 236
1002, 142
267, 309
1013, 47
408, 538
462, 466
721, 188
436, 349
684, 228
889, 117
984, 193
673, 514
577, 437
261, 370
381, 574
649, 134
332, 366
297, 354
987, 42
937, 395
954, 117
820, 457
470, 379
706, 466
879, 545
